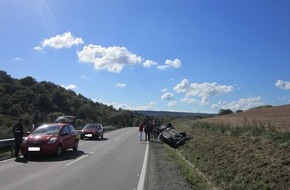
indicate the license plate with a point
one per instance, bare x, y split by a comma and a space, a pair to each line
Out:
88, 135
33, 149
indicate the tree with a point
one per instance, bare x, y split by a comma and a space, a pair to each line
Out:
225, 111
28, 81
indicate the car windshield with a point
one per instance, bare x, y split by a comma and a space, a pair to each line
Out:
47, 129
90, 126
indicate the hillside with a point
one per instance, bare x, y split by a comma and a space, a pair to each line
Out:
40, 102
276, 116
248, 150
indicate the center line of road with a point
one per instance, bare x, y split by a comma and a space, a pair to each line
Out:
117, 139
82, 157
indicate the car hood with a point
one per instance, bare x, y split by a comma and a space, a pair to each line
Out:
40, 138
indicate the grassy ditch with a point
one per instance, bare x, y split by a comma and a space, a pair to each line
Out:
231, 157
191, 173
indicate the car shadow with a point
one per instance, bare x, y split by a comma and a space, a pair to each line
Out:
66, 155
103, 139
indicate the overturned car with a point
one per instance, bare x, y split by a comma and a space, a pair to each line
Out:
171, 136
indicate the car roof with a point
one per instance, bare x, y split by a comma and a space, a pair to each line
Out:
65, 119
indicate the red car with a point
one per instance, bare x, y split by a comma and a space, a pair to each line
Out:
92, 131
50, 139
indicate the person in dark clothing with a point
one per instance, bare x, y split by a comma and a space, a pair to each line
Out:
17, 130
146, 131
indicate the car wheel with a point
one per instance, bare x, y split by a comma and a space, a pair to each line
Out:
75, 148
102, 137
58, 150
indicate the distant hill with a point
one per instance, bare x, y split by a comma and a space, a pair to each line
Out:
276, 116
168, 114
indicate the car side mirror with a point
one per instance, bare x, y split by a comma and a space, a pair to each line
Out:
64, 134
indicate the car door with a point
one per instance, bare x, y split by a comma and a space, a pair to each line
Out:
65, 137
100, 129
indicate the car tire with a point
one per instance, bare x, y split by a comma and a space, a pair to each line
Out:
75, 148
58, 151
102, 137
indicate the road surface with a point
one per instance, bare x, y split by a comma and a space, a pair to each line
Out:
112, 163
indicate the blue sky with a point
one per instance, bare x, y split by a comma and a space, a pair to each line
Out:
164, 55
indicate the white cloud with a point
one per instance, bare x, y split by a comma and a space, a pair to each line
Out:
39, 49
173, 103
149, 63
147, 106
176, 63
69, 87
17, 59
112, 59
167, 96
162, 67
65, 40
241, 104
164, 90
203, 90
283, 84
122, 85
188, 100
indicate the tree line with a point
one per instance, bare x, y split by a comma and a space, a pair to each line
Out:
41, 102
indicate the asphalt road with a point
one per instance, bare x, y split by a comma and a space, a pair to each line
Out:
112, 163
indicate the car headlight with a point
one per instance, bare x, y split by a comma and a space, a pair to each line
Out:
52, 140
25, 140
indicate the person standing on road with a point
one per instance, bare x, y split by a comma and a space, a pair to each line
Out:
146, 130
141, 127
17, 130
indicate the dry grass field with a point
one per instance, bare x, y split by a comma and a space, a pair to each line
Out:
278, 117
247, 150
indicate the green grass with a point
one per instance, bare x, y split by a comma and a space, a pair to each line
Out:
252, 129
191, 173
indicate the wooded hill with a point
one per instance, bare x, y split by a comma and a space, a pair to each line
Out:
41, 102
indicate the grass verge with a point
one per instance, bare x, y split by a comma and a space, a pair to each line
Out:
196, 179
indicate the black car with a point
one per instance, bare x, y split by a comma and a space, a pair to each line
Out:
171, 136
92, 131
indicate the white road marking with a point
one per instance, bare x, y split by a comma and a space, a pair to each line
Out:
117, 139
141, 182
80, 158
